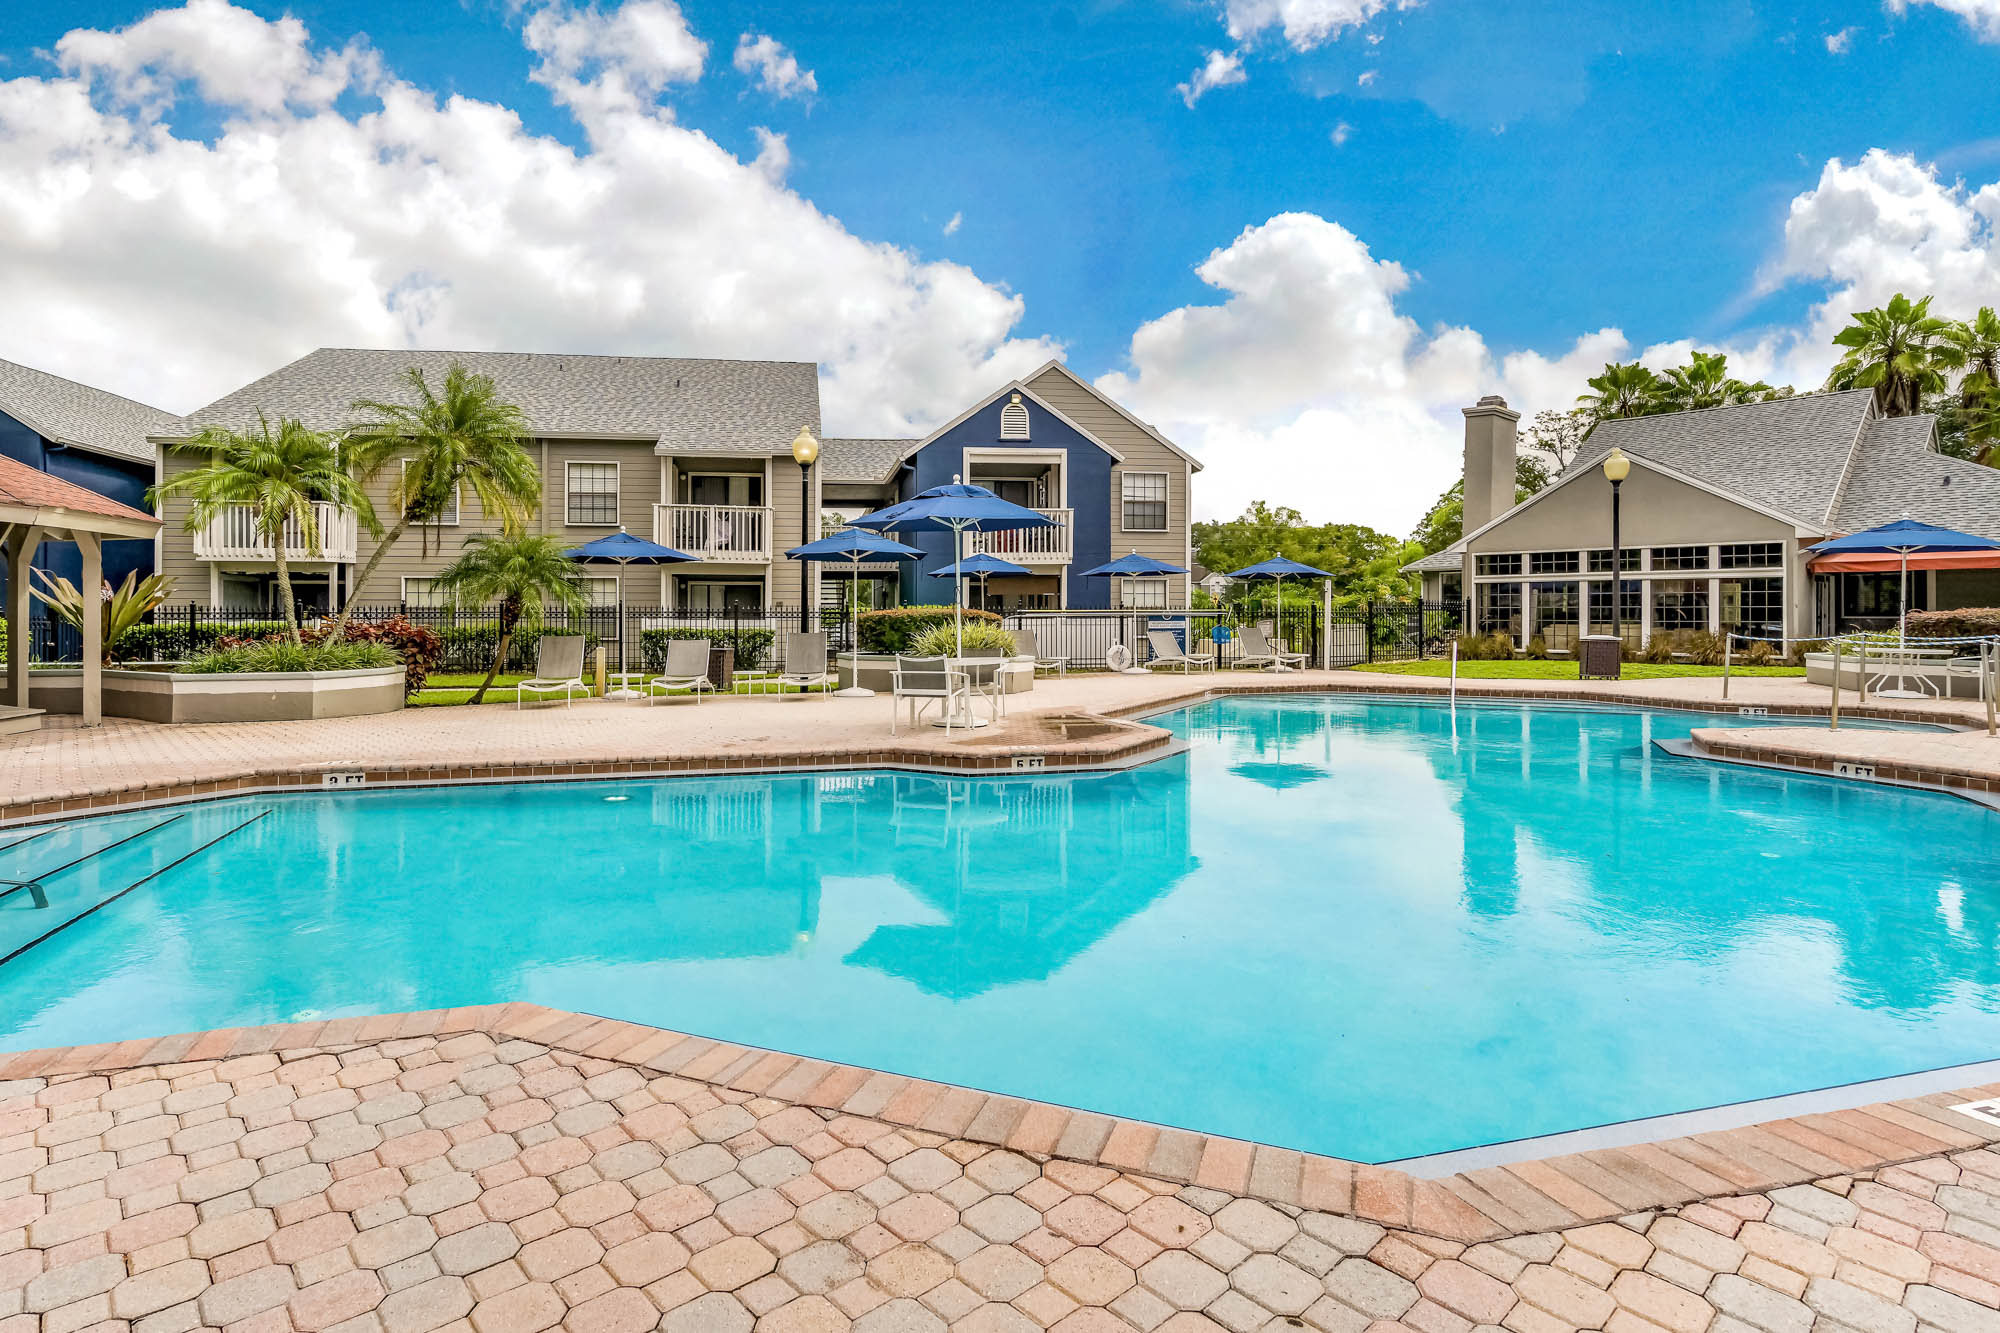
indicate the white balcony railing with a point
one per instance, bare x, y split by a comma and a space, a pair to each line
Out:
232, 535
1029, 546
725, 534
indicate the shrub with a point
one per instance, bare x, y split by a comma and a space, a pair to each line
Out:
281, 656
981, 640
1660, 648
1797, 656
1537, 649
891, 631
752, 645
1972, 622
176, 641
1759, 653
1702, 648
1494, 647
418, 648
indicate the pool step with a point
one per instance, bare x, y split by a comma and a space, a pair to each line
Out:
52, 879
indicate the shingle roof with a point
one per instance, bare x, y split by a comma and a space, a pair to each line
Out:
854, 460
689, 405
32, 488
76, 414
1787, 455
1446, 560
1897, 472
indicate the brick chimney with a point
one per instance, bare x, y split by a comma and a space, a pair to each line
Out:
1489, 460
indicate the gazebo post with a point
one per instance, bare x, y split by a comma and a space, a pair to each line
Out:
92, 548
21, 544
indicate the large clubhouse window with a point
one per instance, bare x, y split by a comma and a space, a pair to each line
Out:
1497, 564
1556, 609
1555, 562
592, 491
1753, 606
1880, 595
1142, 594
1680, 604
1628, 560
1631, 605
1145, 497
1500, 608
1680, 557
1751, 555
446, 517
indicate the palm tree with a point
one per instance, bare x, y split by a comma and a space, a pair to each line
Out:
467, 436
526, 573
279, 476
1706, 382
1620, 391
1900, 351
1975, 347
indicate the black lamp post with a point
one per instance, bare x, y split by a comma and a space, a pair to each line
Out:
804, 450
1616, 468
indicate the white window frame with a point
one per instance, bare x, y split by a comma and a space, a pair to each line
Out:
436, 598
590, 583
449, 519
570, 492
1166, 500
1126, 586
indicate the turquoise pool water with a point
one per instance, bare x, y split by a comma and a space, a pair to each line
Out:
1362, 928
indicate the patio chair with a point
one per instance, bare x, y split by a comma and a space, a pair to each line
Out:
558, 670
686, 669
805, 663
1026, 646
1258, 651
920, 679
1166, 652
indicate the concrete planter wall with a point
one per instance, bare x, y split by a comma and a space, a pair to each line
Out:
1819, 671
277, 696
872, 671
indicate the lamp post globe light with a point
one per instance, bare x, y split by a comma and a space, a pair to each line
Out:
805, 449
1616, 468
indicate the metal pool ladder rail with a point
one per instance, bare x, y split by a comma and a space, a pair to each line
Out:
36, 891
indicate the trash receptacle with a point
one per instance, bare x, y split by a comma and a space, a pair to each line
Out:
1603, 656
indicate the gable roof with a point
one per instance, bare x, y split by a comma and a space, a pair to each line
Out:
846, 459
685, 404
1788, 455
24, 487
1898, 470
79, 416
1194, 464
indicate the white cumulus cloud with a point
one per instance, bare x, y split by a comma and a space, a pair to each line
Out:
175, 268
1840, 43
775, 69
1220, 70
1304, 24
1982, 16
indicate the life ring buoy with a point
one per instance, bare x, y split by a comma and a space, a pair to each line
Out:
1119, 658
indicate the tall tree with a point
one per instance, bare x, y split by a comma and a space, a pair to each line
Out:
465, 437
1351, 552
1705, 381
1899, 350
525, 573
1556, 436
1620, 390
279, 476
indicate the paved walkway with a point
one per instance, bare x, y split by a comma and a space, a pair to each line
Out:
482, 1182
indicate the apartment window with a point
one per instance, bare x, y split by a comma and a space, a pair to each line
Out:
1142, 594
1754, 606
1555, 562
1628, 560
1751, 555
1496, 564
1145, 501
1680, 603
447, 514
591, 490
424, 592
1680, 557
601, 589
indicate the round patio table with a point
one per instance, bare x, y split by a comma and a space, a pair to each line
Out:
981, 674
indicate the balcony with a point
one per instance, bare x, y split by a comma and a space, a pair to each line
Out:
720, 534
1028, 546
232, 535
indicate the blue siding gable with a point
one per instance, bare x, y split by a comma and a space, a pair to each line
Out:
121, 479
1086, 466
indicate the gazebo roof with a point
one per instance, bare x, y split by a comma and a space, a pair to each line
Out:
29, 495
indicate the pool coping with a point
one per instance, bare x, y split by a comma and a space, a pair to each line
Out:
1483, 1203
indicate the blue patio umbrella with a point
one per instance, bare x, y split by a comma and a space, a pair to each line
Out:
854, 545
958, 509
1277, 569
621, 548
1905, 537
979, 565
1128, 567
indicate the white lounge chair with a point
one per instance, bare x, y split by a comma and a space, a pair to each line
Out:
805, 663
920, 679
1258, 652
558, 670
686, 669
1026, 646
1168, 653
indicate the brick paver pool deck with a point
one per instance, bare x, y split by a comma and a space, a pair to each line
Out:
512, 1168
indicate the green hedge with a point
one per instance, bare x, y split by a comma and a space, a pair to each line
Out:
281, 656
1971, 622
893, 630
752, 646
175, 641
470, 647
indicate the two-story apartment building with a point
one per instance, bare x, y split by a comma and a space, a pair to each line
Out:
696, 454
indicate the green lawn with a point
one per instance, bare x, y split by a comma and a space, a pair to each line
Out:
1531, 670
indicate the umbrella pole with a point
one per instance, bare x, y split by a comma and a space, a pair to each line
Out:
857, 690
1903, 605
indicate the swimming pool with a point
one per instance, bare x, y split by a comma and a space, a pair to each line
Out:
1368, 928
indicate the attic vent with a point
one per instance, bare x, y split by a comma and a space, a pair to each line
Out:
1014, 420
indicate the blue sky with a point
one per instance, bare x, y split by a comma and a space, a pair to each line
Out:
1541, 169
